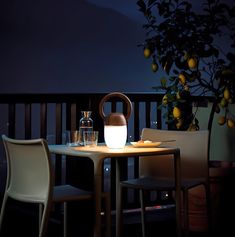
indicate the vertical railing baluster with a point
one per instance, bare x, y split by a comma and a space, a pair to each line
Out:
43, 120
28, 120
147, 114
136, 120
73, 121
58, 160
59, 124
11, 120
159, 116
71, 116
136, 138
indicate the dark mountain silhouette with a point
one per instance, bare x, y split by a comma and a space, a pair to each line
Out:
128, 8
70, 46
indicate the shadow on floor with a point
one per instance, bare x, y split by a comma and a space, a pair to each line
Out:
24, 222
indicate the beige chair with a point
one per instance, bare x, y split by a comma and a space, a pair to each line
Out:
157, 173
30, 178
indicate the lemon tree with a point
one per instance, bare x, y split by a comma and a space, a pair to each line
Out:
184, 51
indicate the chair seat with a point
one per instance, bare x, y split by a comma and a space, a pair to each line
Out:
63, 193
152, 183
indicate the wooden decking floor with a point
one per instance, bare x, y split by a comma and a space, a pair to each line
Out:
24, 223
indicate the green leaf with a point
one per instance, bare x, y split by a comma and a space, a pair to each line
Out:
142, 5
172, 78
151, 2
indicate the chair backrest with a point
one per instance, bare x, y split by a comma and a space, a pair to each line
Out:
193, 150
30, 176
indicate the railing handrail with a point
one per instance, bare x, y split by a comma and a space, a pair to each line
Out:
6, 98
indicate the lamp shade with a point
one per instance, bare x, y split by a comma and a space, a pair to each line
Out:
115, 136
115, 124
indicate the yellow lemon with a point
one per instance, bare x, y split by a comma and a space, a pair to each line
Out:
176, 112
223, 102
231, 123
154, 67
221, 120
179, 123
165, 100
182, 78
226, 94
192, 63
147, 52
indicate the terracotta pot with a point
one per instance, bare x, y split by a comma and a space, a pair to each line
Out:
221, 178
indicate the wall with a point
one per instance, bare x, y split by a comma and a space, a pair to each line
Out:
222, 145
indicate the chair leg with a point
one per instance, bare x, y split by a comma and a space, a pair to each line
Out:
186, 212
45, 218
65, 219
3, 210
143, 213
40, 214
120, 213
108, 214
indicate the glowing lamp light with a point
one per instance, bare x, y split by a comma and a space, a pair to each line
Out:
115, 124
117, 141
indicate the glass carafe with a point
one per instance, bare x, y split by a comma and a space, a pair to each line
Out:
85, 124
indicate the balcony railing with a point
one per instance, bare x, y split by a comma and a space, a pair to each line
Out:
40, 115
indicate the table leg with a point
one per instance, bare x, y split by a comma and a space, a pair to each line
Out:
98, 195
178, 193
118, 201
97, 198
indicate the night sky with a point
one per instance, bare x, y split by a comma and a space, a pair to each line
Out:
72, 46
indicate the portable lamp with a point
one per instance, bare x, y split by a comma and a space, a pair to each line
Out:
115, 124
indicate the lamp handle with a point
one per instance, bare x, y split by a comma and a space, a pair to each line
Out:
115, 94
